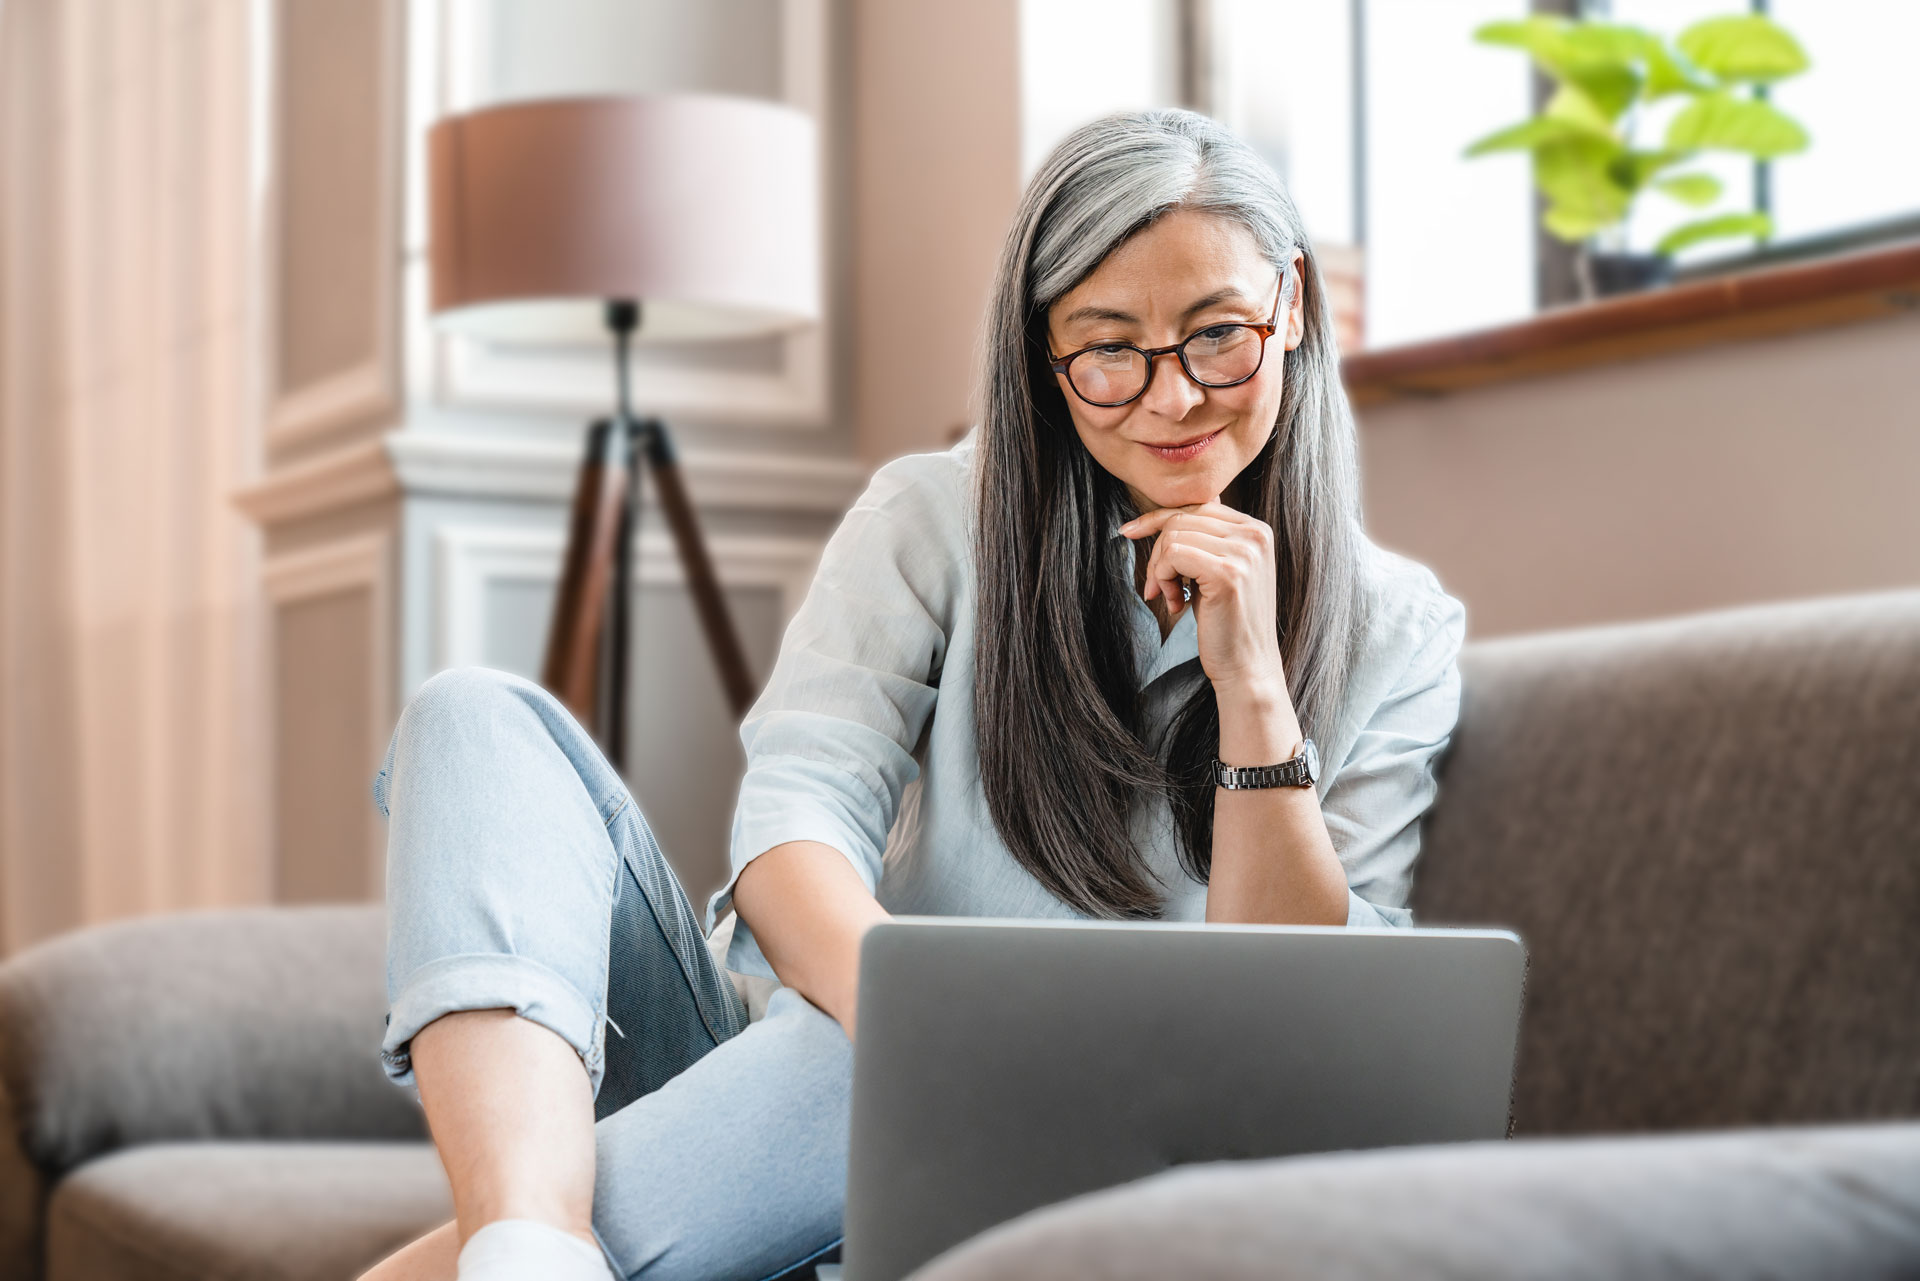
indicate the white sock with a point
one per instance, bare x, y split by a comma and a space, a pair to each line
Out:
528, 1250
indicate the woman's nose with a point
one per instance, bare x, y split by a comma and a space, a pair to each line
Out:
1170, 393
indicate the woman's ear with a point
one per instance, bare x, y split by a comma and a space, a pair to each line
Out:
1296, 321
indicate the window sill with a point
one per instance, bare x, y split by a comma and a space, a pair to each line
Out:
1764, 302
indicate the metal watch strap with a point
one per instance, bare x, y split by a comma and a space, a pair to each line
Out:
1296, 771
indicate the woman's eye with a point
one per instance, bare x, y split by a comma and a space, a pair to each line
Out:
1216, 333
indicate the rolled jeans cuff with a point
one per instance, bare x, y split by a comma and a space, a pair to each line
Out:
492, 981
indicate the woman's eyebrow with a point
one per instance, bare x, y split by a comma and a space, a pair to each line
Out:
1092, 312
1214, 299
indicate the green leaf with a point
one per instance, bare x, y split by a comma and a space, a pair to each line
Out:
1538, 35
1633, 169
1722, 121
1524, 136
1696, 189
1569, 114
1572, 226
1640, 51
1573, 175
1611, 87
1520, 137
1745, 47
1703, 229
1575, 107
1576, 54
1668, 75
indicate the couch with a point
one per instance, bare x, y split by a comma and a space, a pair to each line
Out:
1706, 828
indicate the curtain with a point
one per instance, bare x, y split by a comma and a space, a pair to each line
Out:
132, 708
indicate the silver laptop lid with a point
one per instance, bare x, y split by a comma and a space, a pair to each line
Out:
1005, 1065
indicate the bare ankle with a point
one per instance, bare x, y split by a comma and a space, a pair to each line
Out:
544, 1210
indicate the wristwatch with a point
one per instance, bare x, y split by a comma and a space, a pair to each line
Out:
1302, 769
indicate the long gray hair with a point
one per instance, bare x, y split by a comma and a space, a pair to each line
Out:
1057, 711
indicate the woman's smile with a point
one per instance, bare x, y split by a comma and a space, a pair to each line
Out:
1180, 453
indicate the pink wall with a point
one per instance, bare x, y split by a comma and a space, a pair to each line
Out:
1756, 471
937, 173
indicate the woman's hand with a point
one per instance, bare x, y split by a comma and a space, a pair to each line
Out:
1273, 859
1229, 556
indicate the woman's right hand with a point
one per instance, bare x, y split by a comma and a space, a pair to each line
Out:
808, 909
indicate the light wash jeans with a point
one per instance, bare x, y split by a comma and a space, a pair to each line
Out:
520, 873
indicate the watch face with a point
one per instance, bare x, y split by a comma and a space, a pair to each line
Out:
1312, 754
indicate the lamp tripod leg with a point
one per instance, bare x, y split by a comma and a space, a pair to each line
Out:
590, 640
575, 653
614, 697
716, 621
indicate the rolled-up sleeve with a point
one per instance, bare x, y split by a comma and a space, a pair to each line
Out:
1386, 786
830, 740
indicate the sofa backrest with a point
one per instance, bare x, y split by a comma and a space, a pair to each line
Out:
260, 1023
1707, 830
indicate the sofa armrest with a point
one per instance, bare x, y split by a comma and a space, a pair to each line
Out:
260, 1023
1791, 1203
23, 1205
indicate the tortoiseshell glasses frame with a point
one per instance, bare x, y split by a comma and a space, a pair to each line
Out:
1063, 364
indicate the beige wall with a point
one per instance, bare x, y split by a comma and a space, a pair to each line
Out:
936, 109
1756, 471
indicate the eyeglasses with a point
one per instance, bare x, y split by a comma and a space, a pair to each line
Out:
1111, 374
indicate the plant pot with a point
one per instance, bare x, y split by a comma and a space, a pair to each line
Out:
1605, 274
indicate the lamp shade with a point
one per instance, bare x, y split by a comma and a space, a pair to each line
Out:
701, 208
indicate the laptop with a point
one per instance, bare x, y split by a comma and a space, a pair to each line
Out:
1003, 1065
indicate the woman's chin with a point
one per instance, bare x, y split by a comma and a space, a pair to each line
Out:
1182, 491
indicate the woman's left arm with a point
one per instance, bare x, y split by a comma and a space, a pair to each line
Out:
1273, 861
1275, 858
1385, 785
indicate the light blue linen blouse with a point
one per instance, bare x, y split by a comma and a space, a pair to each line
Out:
863, 738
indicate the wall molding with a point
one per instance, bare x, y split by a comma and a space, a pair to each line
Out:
367, 391
315, 486
363, 560
468, 559
518, 467
460, 465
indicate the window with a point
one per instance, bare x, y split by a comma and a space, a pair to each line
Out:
1864, 164
1365, 106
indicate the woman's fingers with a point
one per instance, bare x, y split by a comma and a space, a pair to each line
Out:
1223, 521
1164, 572
1187, 558
1182, 534
1205, 568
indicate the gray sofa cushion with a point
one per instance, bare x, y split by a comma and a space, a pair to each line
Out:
254, 1024
1779, 1205
243, 1211
1708, 831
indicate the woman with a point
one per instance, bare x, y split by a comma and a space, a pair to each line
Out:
1004, 695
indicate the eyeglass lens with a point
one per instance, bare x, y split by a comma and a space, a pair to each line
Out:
1217, 356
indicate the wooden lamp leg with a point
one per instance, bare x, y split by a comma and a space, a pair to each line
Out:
597, 564
715, 620
571, 669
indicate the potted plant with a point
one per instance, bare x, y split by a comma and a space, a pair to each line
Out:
1587, 161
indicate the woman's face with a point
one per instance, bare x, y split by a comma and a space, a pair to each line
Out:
1188, 270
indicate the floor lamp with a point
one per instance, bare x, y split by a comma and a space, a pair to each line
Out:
655, 218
